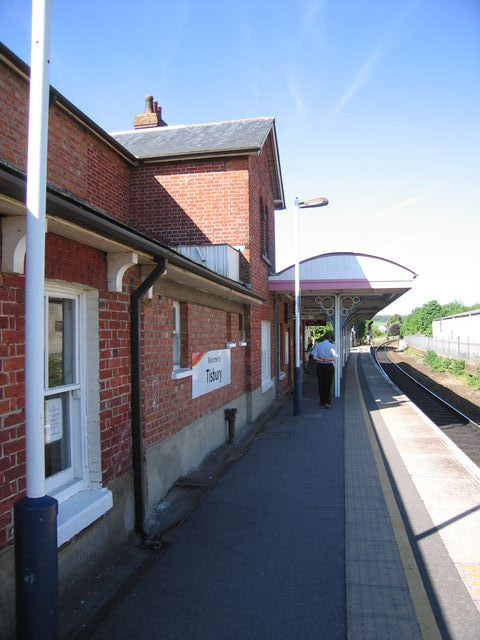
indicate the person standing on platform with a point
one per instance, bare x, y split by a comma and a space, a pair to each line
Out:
325, 354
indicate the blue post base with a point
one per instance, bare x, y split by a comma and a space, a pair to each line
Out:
36, 568
297, 391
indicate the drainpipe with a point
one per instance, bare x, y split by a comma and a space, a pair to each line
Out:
137, 425
276, 346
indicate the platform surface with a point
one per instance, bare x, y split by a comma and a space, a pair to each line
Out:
356, 522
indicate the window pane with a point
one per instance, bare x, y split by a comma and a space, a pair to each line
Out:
176, 335
176, 350
266, 375
57, 434
61, 342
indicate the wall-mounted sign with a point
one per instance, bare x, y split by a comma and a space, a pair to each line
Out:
53, 420
210, 371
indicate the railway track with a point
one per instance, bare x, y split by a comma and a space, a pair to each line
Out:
461, 430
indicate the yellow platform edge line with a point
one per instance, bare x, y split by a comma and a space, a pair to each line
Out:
425, 618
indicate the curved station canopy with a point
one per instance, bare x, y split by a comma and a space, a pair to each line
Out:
343, 288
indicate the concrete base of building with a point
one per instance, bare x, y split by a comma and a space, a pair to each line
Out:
7, 592
179, 454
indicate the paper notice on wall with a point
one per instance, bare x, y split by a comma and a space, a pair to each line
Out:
210, 371
53, 420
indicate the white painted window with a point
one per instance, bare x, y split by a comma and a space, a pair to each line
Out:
287, 360
177, 350
73, 473
266, 356
63, 391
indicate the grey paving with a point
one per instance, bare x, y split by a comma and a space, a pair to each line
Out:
263, 554
437, 490
378, 598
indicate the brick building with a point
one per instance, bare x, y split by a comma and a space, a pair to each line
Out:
158, 316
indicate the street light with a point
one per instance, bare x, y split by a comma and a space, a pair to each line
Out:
297, 376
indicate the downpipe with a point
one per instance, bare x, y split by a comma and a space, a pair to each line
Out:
138, 460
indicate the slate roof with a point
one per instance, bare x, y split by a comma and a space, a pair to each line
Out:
214, 138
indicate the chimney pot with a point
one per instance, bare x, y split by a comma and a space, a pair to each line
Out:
148, 104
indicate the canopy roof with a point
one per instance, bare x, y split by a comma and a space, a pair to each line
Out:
367, 283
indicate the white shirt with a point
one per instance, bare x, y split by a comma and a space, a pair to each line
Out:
324, 349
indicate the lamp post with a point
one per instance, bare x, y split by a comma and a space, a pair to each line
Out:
297, 376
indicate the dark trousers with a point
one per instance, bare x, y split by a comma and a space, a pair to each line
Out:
325, 374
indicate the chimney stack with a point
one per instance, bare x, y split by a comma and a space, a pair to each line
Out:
152, 117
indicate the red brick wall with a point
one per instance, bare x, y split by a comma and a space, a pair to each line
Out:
78, 162
13, 117
193, 202
12, 399
115, 383
208, 202
73, 262
168, 404
260, 190
107, 181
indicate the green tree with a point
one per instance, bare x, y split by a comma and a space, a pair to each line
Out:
360, 329
452, 308
421, 318
319, 331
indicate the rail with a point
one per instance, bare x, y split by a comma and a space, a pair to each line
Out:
453, 423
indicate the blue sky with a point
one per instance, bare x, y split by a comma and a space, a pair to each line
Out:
377, 107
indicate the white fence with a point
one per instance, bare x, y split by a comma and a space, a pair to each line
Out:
448, 348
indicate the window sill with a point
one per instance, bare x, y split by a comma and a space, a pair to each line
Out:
80, 511
178, 374
266, 385
242, 343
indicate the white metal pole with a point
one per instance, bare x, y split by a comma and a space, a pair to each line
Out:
339, 345
297, 287
297, 381
35, 253
35, 515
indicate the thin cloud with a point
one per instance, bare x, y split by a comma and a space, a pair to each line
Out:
368, 68
308, 27
297, 96
408, 202
309, 17
364, 74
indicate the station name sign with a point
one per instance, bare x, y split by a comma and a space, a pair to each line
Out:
210, 371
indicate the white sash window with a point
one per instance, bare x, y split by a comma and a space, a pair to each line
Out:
266, 356
63, 390
73, 473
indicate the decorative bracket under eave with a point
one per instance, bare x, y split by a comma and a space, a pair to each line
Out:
117, 264
14, 243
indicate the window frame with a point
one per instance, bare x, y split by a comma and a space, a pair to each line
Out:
264, 234
266, 355
74, 478
177, 335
